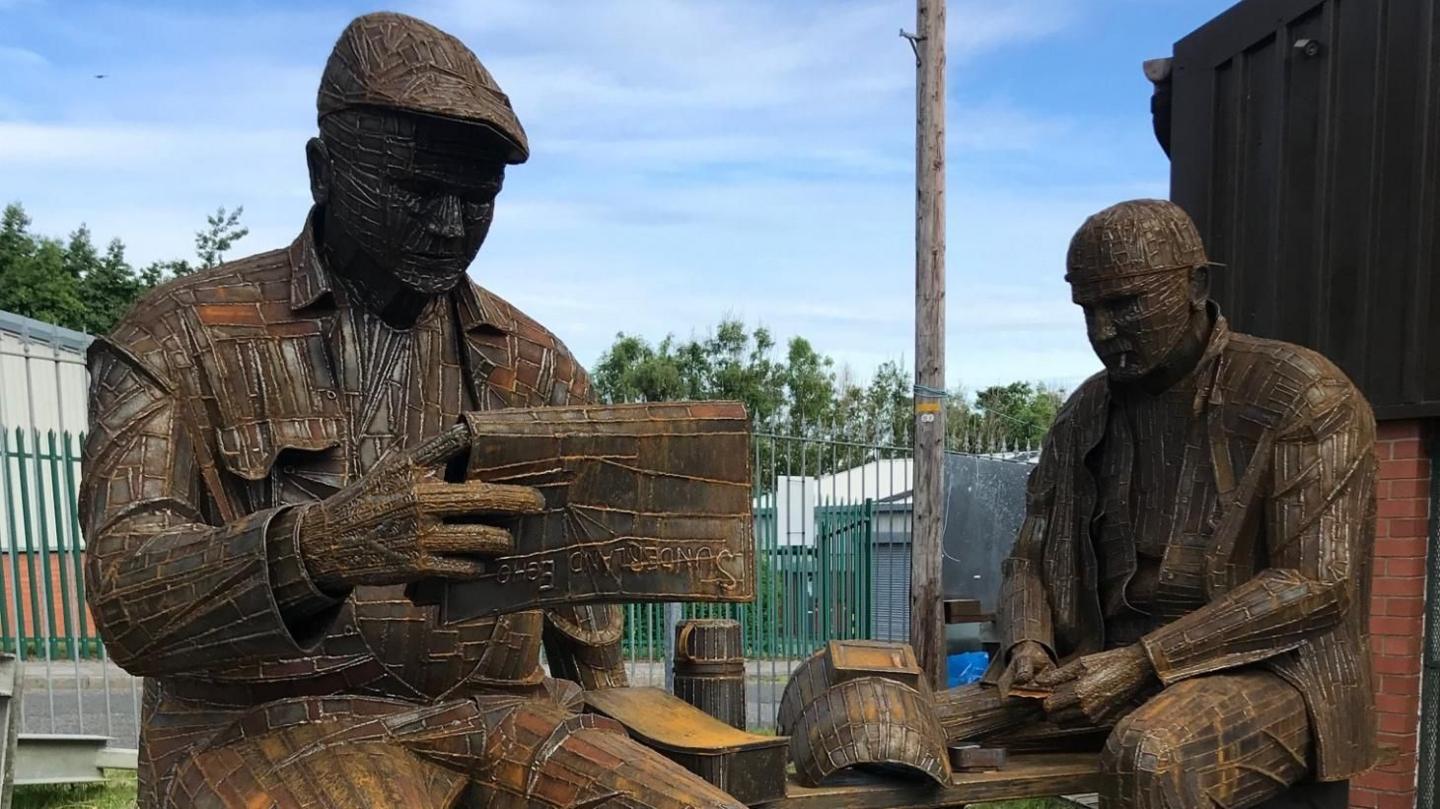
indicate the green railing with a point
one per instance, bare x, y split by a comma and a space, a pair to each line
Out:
42, 612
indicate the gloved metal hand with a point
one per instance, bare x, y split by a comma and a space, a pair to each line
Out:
403, 522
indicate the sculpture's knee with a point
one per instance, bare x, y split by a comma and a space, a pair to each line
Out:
541, 759
1142, 765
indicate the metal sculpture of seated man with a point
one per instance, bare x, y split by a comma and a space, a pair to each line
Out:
1191, 581
261, 484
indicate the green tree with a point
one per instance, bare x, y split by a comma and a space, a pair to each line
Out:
222, 231
36, 275
1019, 412
74, 284
110, 286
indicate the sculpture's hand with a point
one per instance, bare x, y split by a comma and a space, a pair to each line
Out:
1095, 689
1027, 661
403, 522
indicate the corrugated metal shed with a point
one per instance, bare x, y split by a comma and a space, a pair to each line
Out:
43, 381
1304, 142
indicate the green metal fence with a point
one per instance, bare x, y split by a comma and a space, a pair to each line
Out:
815, 504
42, 613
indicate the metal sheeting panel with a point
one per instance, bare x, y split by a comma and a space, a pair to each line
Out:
985, 504
890, 608
1305, 144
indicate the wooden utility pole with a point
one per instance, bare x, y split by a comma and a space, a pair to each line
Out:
927, 630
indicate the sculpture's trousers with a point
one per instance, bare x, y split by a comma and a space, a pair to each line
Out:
359, 753
1224, 740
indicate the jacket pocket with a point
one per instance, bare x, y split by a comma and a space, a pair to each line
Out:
249, 449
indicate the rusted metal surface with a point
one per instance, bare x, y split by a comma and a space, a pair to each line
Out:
870, 722
271, 470
749, 767
1025, 776
647, 502
1192, 578
710, 668
842, 660
1299, 129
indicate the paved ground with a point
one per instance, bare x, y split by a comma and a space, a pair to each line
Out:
53, 703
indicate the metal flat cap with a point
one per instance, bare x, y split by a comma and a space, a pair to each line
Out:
397, 62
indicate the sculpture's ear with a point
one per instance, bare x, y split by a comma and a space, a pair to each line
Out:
1199, 286
317, 156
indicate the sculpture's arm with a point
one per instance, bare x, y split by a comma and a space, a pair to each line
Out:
173, 592
1024, 609
1315, 510
583, 644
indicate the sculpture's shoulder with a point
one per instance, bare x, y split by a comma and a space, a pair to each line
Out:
1286, 386
1085, 407
238, 290
537, 351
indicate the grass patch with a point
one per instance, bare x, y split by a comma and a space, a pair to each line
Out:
116, 793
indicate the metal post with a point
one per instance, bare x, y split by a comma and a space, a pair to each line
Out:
926, 628
672, 619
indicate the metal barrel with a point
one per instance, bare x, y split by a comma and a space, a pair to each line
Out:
710, 667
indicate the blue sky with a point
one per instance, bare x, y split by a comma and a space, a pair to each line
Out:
690, 160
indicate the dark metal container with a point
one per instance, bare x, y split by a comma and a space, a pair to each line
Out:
710, 668
750, 768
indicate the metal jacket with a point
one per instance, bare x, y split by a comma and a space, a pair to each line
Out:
1274, 529
221, 401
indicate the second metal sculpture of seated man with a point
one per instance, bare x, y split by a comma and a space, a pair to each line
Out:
262, 481
1191, 581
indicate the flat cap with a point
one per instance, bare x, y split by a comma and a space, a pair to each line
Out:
1135, 238
397, 62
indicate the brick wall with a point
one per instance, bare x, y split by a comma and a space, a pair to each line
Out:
1397, 609
31, 625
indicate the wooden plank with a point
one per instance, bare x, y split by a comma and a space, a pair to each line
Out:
1024, 776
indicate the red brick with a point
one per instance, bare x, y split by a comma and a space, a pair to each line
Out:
1412, 586
1403, 567
1407, 469
1396, 665
1408, 488
1400, 647
1407, 547
1404, 743
1410, 527
1405, 705
1385, 780
1398, 800
1404, 606
1403, 507
1392, 625
1399, 684
1406, 448
1398, 723
1383, 450
1361, 798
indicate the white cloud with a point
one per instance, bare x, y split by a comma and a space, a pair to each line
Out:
690, 159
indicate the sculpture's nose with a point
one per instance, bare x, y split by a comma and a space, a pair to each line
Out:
445, 218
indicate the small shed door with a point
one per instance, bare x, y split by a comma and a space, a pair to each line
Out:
1305, 143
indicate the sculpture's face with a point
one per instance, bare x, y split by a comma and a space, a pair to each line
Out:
407, 195
1135, 324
